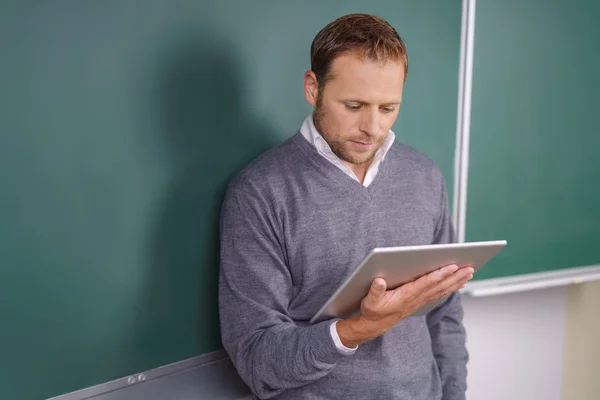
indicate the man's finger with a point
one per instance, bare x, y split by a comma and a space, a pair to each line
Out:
433, 278
377, 289
453, 289
455, 282
459, 276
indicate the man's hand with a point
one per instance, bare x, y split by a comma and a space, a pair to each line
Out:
381, 309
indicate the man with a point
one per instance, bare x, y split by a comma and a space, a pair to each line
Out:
303, 215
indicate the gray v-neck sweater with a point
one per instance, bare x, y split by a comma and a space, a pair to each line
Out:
293, 227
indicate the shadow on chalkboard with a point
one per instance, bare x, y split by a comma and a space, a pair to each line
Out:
209, 134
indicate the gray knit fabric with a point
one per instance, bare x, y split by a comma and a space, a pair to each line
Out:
293, 227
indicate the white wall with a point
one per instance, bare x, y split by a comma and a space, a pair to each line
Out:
581, 378
516, 345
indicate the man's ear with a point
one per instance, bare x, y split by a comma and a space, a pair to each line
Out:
311, 88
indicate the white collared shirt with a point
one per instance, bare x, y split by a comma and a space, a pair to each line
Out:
309, 131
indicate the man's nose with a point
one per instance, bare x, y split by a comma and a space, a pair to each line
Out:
370, 122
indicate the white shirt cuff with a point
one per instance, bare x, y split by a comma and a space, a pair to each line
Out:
338, 342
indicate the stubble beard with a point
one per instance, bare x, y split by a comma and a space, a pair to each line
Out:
337, 143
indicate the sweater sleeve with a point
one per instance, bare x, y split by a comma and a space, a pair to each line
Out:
269, 350
446, 329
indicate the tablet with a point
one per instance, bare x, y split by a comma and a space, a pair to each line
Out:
400, 265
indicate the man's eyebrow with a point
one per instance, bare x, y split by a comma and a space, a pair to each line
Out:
391, 103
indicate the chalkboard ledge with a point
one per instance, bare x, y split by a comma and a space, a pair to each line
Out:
533, 281
207, 376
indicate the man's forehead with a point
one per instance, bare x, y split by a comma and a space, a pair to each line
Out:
367, 81
360, 70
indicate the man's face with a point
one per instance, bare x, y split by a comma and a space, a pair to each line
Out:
356, 108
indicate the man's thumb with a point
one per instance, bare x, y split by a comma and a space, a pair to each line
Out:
377, 288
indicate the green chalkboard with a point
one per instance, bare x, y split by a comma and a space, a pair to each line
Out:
534, 173
120, 124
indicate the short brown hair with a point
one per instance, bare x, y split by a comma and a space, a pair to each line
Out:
369, 34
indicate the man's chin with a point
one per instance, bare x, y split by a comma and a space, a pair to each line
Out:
358, 159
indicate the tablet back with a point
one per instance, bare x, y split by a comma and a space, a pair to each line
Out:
400, 265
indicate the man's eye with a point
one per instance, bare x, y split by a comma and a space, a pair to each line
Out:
352, 107
388, 109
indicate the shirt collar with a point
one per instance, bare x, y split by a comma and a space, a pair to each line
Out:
310, 132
